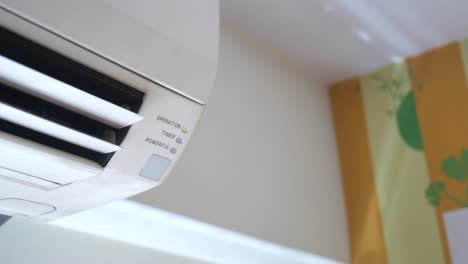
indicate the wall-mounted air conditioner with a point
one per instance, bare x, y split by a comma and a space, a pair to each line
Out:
98, 99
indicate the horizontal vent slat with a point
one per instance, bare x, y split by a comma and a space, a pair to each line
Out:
42, 86
77, 97
47, 127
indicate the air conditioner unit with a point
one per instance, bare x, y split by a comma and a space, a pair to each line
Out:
98, 99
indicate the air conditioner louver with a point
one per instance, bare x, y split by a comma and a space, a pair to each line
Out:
52, 100
52, 129
49, 89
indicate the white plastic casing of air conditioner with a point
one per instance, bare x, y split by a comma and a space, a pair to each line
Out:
166, 49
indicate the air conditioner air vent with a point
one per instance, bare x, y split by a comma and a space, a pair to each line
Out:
52, 100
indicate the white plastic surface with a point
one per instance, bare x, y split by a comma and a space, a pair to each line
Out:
22, 178
42, 86
15, 206
41, 162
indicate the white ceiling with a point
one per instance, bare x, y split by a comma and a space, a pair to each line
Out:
333, 40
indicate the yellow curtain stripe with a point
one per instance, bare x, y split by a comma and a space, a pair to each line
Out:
365, 227
442, 107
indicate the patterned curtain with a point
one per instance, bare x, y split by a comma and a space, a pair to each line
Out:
402, 135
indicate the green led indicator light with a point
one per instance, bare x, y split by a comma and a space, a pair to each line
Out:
184, 130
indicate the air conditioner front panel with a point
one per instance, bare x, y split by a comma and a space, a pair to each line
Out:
167, 118
121, 177
69, 183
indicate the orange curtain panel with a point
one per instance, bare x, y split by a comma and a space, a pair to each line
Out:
402, 136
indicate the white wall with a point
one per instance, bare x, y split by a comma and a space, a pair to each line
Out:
28, 242
263, 159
